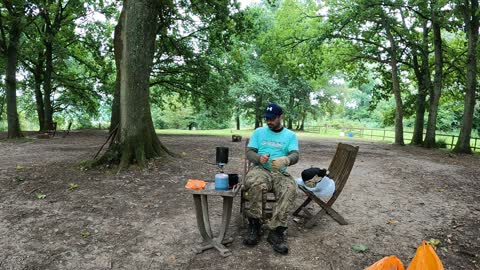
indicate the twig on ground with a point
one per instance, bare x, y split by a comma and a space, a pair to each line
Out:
33, 190
110, 136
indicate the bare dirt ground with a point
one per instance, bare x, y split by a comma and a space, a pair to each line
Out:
395, 197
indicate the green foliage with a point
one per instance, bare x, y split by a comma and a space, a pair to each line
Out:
176, 114
324, 62
72, 186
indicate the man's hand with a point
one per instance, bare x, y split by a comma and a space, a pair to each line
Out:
278, 163
264, 158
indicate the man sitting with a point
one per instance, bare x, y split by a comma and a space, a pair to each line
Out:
271, 149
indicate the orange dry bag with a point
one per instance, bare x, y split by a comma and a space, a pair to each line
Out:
387, 263
195, 184
425, 259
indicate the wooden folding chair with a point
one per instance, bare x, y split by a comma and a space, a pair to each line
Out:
339, 170
268, 201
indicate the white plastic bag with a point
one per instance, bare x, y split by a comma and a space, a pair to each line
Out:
324, 189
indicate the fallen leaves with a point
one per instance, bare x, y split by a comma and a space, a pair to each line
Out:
40, 196
392, 221
72, 186
360, 248
434, 242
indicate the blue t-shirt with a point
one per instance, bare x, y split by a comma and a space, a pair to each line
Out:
277, 144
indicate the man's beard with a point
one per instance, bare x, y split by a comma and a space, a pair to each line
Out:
273, 127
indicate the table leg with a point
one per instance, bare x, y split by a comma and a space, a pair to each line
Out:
206, 215
226, 216
200, 217
203, 222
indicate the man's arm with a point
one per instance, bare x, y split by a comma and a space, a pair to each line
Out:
252, 155
293, 156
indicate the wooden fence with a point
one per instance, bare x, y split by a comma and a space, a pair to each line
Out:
386, 134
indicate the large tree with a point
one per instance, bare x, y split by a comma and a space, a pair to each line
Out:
57, 16
470, 12
143, 63
12, 23
136, 135
424, 82
436, 91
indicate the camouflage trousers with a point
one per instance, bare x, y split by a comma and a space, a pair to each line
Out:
259, 180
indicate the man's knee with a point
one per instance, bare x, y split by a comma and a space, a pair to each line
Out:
289, 193
286, 186
255, 177
255, 192
291, 189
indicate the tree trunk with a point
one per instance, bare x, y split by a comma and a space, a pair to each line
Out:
11, 83
136, 138
37, 75
2, 106
258, 112
291, 103
422, 73
237, 120
302, 124
117, 45
47, 84
396, 89
472, 20
437, 84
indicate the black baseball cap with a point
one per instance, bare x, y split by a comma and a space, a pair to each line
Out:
272, 110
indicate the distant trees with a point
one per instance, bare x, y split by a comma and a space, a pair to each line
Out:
63, 68
405, 38
414, 59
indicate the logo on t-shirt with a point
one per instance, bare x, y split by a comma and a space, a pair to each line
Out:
271, 144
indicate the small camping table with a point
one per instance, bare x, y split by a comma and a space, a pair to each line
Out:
203, 220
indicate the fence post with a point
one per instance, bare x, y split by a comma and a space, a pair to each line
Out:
475, 145
453, 137
383, 139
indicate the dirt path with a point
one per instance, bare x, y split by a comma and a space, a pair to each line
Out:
139, 220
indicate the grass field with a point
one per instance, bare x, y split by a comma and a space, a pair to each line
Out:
379, 135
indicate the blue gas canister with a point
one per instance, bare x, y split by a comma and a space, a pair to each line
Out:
221, 181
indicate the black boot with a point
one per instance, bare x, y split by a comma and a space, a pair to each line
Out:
254, 233
276, 238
